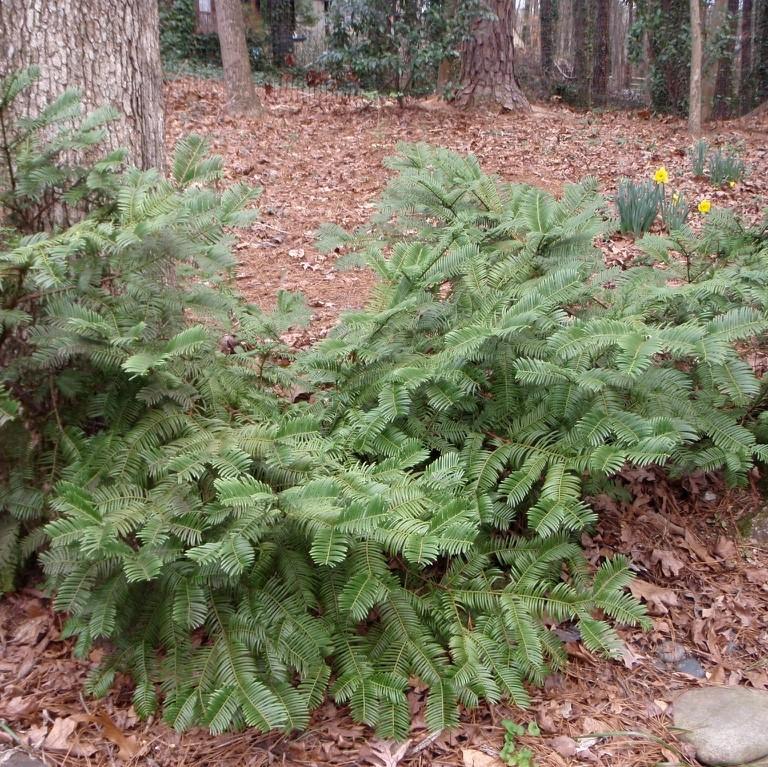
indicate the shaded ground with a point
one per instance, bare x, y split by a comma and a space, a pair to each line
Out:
705, 585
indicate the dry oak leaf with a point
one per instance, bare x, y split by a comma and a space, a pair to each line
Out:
385, 753
670, 564
726, 549
128, 745
564, 745
59, 739
657, 598
473, 758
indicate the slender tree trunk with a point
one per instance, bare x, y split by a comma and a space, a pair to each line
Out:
601, 65
761, 52
241, 93
488, 62
746, 91
582, 63
627, 74
694, 98
109, 50
724, 84
547, 27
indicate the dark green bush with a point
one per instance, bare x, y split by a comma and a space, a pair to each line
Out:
245, 555
395, 51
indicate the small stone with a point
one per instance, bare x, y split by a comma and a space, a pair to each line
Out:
671, 652
726, 725
16, 758
691, 667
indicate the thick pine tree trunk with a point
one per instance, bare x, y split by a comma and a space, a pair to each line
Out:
241, 93
109, 50
488, 62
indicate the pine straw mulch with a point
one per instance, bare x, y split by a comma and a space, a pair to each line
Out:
705, 586
320, 159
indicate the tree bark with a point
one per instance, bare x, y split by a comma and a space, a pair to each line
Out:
724, 84
601, 66
488, 62
694, 97
746, 90
761, 52
109, 50
241, 93
547, 26
583, 59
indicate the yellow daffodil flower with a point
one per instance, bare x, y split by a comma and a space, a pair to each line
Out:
705, 206
675, 198
661, 176
732, 184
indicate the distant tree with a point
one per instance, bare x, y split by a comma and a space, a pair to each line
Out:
666, 25
601, 63
746, 91
724, 84
488, 62
694, 97
583, 49
241, 93
547, 19
108, 50
761, 52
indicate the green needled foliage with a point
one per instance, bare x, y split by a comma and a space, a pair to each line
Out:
245, 555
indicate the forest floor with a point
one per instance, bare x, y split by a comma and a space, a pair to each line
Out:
705, 583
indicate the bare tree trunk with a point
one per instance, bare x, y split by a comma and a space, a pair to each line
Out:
582, 62
627, 76
724, 83
109, 50
745, 94
241, 93
601, 66
547, 26
488, 62
694, 98
761, 52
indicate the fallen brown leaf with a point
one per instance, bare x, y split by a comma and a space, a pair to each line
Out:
564, 745
659, 599
474, 758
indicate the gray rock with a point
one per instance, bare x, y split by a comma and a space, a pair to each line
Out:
726, 725
16, 758
691, 667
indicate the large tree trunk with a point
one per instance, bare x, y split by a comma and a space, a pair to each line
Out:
109, 50
746, 89
241, 93
488, 62
694, 98
724, 83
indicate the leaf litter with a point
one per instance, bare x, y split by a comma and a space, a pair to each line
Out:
706, 587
